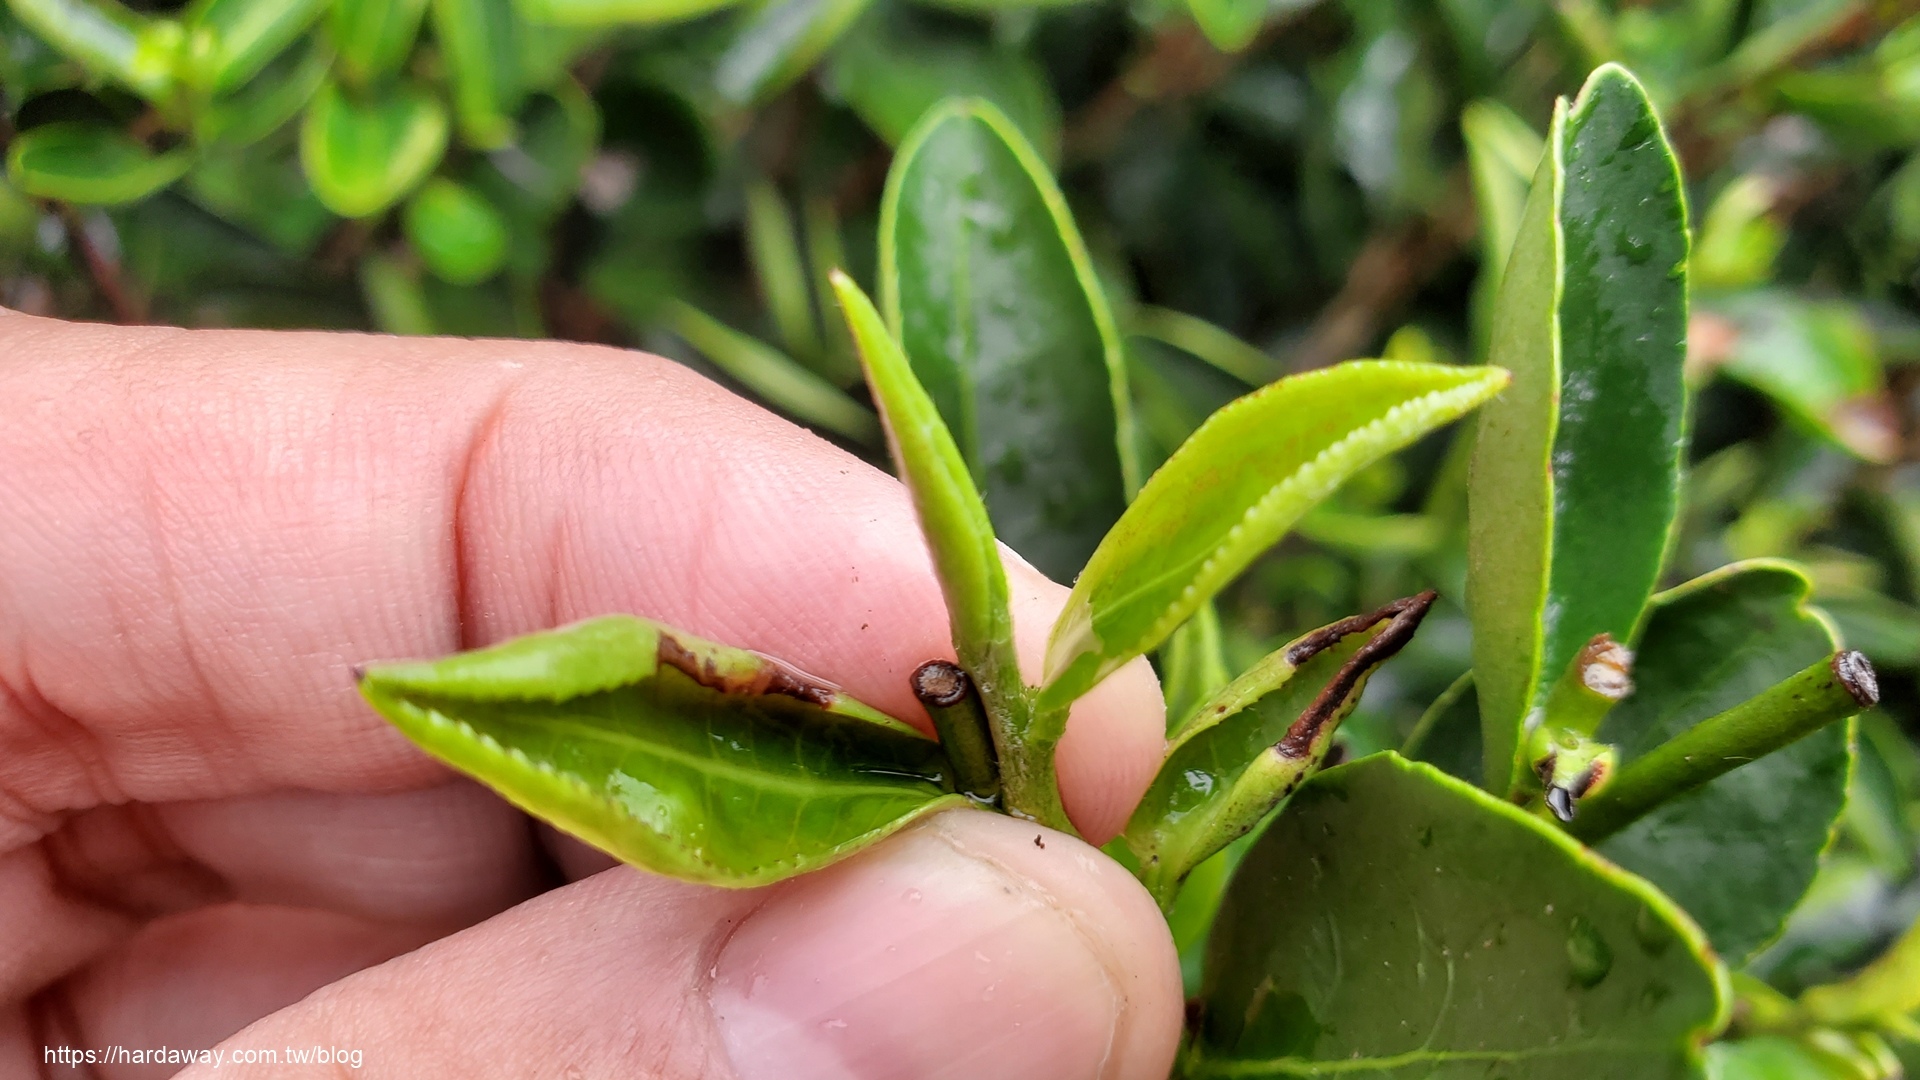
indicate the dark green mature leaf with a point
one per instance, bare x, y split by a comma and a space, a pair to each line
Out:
1576, 472
1740, 852
680, 756
1248, 748
1237, 485
1395, 922
478, 39
779, 42
597, 13
137, 51
374, 36
985, 280
460, 237
89, 163
362, 155
230, 41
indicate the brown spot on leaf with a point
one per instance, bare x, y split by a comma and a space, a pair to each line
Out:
1402, 618
768, 676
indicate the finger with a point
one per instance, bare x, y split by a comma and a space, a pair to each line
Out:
960, 950
204, 530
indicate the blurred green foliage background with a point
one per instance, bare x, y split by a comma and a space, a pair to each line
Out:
1266, 186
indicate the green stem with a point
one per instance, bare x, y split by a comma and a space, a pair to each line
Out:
1026, 742
961, 720
1833, 689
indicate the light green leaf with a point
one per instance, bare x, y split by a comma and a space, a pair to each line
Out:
779, 41
1740, 852
363, 154
598, 13
88, 163
675, 754
458, 234
953, 519
1202, 339
1502, 156
478, 40
1395, 922
1231, 25
987, 284
774, 252
1246, 750
1235, 488
267, 103
374, 37
1193, 665
773, 375
230, 41
137, 51
1784, 1057
1576, 471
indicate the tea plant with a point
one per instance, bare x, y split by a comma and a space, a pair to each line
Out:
1388, 918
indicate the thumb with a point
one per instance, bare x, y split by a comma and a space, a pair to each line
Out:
971, 945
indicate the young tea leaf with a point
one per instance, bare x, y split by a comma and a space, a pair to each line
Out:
89, 163
965, 557
1237, 485
374, 36
675, 754
232, 40
137, 51
1395, 922
1740, 852
363, 154
1245, 751
460, 237
987, 284
1576, 473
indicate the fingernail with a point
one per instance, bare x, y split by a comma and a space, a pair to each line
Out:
947, 952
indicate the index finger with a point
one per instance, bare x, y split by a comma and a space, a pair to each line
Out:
203, 530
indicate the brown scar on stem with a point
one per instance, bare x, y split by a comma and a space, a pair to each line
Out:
1402, 618
769, 676
1856, 673
941, 684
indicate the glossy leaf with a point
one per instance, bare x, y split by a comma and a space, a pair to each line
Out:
597, 13
1235, 488
892, 76
966, 558
374, 37
459, 236
1395, 922
232, 40
477, 41
779, 41
1576, 472
1251, 745
1739, 853
675, 754
986, 282
773, 375
267, 103
88, 163
137, 51
364, 155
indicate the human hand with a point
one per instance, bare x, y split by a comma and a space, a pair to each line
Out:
208, 842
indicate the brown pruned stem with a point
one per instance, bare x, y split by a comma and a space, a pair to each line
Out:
961, 721
1833, 689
